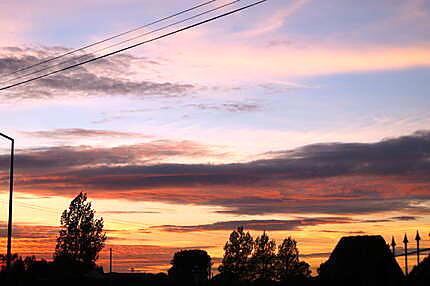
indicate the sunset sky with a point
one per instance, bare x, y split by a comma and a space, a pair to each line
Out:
303, 118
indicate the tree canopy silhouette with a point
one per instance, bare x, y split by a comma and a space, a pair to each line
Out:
237, 250
81, 236
258, 261
263, 259
288, 266
190, 267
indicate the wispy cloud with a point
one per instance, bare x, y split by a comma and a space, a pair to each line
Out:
271, 23
129, 212
29, 231
229, 107
77, 133
260, 225
295, 224
62, 158
112, 76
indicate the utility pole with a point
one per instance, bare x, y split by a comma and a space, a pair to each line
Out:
9, 223
110, 260
405, 241
393, 246
418, 238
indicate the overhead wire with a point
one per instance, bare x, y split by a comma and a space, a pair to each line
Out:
114, 37
136, 45
122, 42
56, 211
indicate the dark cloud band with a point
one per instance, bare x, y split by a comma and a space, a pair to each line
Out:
391, 175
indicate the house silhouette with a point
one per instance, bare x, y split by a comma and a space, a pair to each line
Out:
361, 260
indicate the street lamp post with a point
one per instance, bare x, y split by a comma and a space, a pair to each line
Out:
9, 224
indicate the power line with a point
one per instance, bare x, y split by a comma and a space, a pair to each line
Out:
137, 44
113, 37
56, 211
122, 42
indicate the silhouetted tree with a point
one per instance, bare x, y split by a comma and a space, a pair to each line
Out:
81, 236
263, 259
236, 254
2, 262
190, 267
17, 264
22, 271
288, 266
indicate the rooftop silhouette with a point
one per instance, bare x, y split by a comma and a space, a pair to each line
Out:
361, 260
